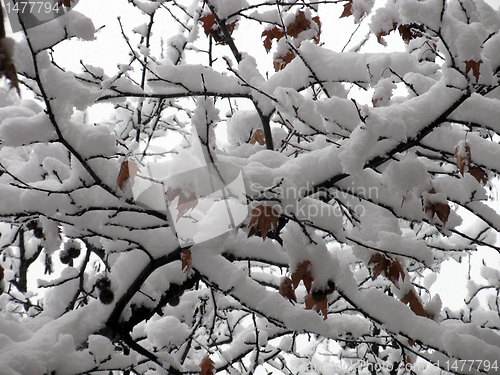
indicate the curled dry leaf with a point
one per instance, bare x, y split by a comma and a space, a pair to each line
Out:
478, 174
212, 28
474, 66
186, 260
258, 137
303, 272
281, 61
187, 200
128, 171
318, 306
411, 299
347, 10
264, 218
435, 207
287, 290
207, 366
7, 68
410, 31
392, 269
463, 156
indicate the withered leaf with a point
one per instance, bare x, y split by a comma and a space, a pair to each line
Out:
381, 34
301, 23
318, 34
258, 137
318, 306
187, 200
66, 3
474, 66
463, 158
303, 272
395, 271
270, 34
410, 31
347, 10
208, 20
411, 299
281, 61
186, 260
211, 27
381, 264
207, 366
478, 174
287, 290
264, 218
128, 171
7, 68
442, 210
392, 269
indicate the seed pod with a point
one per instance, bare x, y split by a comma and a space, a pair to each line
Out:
65, 258
103, 283
106, 296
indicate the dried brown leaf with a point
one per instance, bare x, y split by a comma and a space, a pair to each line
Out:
312, 304
128, 171
281, 61
410, 31
478, 174
7, 68
208, 20
207, 366
318, 34
381, 264
287, 290
442, 211
395, 271
186, 260
474, 66
264, 218
463, 158
303, 272
414, 302
270, 34
258, 137
187, 200
347, 10
301, 23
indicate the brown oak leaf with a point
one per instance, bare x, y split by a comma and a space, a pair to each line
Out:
264, 218
303, 272
474, 66
207, 366
287, 290
128, 171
